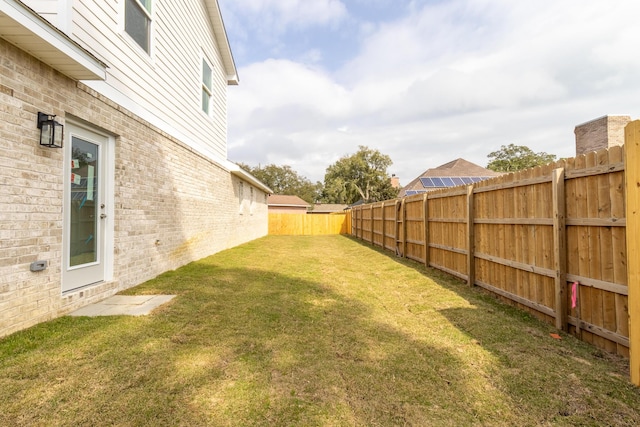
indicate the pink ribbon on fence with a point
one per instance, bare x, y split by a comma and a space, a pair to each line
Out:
574, 294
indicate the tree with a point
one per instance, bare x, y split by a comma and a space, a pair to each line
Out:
284, 180
513, 158
362, 175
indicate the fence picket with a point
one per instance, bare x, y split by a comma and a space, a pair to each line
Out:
632, 198
309, 224
559, 249
524, 235
471, 269
618, 245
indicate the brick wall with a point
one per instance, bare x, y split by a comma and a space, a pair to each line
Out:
172, 205
603, 132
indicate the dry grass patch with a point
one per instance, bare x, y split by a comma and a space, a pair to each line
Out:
310, 331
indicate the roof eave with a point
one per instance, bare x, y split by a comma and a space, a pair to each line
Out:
223, 41
24, 28
246, 176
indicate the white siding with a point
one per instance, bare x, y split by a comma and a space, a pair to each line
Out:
56, 12
167, 83
48, 9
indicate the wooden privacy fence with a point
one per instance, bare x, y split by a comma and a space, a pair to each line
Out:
309, 225
553, 240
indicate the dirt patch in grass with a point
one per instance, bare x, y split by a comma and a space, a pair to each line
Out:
310, 331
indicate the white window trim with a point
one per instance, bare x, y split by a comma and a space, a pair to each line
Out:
252, 196
130, 40
65, 16
241, 197
203, 87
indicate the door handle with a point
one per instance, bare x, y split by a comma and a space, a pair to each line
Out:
103, 216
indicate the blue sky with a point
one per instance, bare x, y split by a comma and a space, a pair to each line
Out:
424, 82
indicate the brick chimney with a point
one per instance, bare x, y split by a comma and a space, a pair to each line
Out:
395, 181
603, 132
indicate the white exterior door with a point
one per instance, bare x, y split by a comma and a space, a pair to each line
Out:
86, 214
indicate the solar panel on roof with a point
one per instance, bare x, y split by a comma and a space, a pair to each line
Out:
426, 182
448, 182
437, 182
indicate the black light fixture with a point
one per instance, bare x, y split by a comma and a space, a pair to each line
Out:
50, 131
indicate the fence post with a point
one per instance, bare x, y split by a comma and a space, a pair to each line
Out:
471, 259
354, 221
560, 248
400, 227
404, 229
384, 237
396, 226
350, 225
425, 211
632, 199
372, 224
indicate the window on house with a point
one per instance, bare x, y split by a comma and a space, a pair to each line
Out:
206, 87
251, 201
241, 196
137, 21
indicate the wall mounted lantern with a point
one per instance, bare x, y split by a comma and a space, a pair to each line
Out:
50, 131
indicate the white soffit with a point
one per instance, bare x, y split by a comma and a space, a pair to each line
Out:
27, 30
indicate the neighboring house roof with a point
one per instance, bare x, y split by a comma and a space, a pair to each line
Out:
328, 208
246, 176
286, 201
456, 172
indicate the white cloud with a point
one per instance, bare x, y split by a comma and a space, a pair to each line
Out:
279, 84
313, 56
276, 16
454, 79
287, 113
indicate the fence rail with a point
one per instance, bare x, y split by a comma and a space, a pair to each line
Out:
309, 225
551, 240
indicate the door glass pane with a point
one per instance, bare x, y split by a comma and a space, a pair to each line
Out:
84, 207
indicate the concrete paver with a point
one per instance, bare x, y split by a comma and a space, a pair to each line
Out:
128, 305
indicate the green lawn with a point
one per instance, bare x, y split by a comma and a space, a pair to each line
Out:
304, 331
